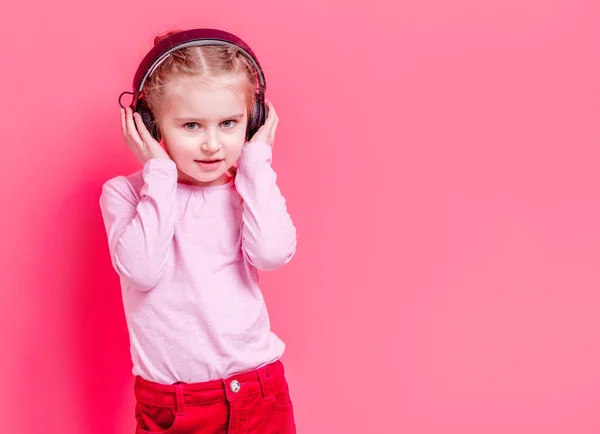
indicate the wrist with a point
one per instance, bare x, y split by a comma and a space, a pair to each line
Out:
165, 164
253, 155
256, 147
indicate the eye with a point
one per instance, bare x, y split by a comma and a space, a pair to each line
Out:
229, 124
190, 125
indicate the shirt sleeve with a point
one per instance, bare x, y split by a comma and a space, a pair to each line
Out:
140, 226
268, 233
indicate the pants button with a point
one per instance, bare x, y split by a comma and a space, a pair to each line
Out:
235, 386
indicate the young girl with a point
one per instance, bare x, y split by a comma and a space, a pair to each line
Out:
187, 236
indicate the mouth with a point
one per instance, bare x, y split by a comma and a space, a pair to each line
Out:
209, 164
209, 161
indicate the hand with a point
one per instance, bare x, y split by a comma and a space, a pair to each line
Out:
266, 133
139, 140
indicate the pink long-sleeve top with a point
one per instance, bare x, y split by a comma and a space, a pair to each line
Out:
188, 260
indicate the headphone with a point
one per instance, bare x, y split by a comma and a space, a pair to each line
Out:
194, 38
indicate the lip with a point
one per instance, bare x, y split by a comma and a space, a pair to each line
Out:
209, 164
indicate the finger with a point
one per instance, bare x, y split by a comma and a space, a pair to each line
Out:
271, 108
123, 126
128, 141
151, 143
274, 125
272, 116
143, 131
129, 138
131, 129
129, 124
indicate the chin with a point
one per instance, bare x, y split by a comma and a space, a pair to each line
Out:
206, 178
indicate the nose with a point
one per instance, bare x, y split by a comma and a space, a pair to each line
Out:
211, 143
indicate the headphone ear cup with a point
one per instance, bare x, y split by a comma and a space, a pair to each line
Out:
148, 119
259, 115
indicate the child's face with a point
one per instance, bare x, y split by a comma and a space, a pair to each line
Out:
204, 129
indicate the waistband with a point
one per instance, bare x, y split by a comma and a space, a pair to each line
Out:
230, 389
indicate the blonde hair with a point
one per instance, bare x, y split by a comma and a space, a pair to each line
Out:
199, 63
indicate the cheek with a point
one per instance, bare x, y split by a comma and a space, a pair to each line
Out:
234, 144
233, 156
178, 144
234, 150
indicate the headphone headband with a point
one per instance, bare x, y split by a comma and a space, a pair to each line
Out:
190, 38
184, 39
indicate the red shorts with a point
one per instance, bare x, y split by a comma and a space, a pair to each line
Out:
252, 402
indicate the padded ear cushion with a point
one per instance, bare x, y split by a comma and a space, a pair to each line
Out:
259, 115
148, 118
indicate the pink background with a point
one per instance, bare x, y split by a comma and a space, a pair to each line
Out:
440, 160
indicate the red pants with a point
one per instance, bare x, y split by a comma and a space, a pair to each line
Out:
253, 402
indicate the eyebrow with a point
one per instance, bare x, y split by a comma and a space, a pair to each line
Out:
193, 119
